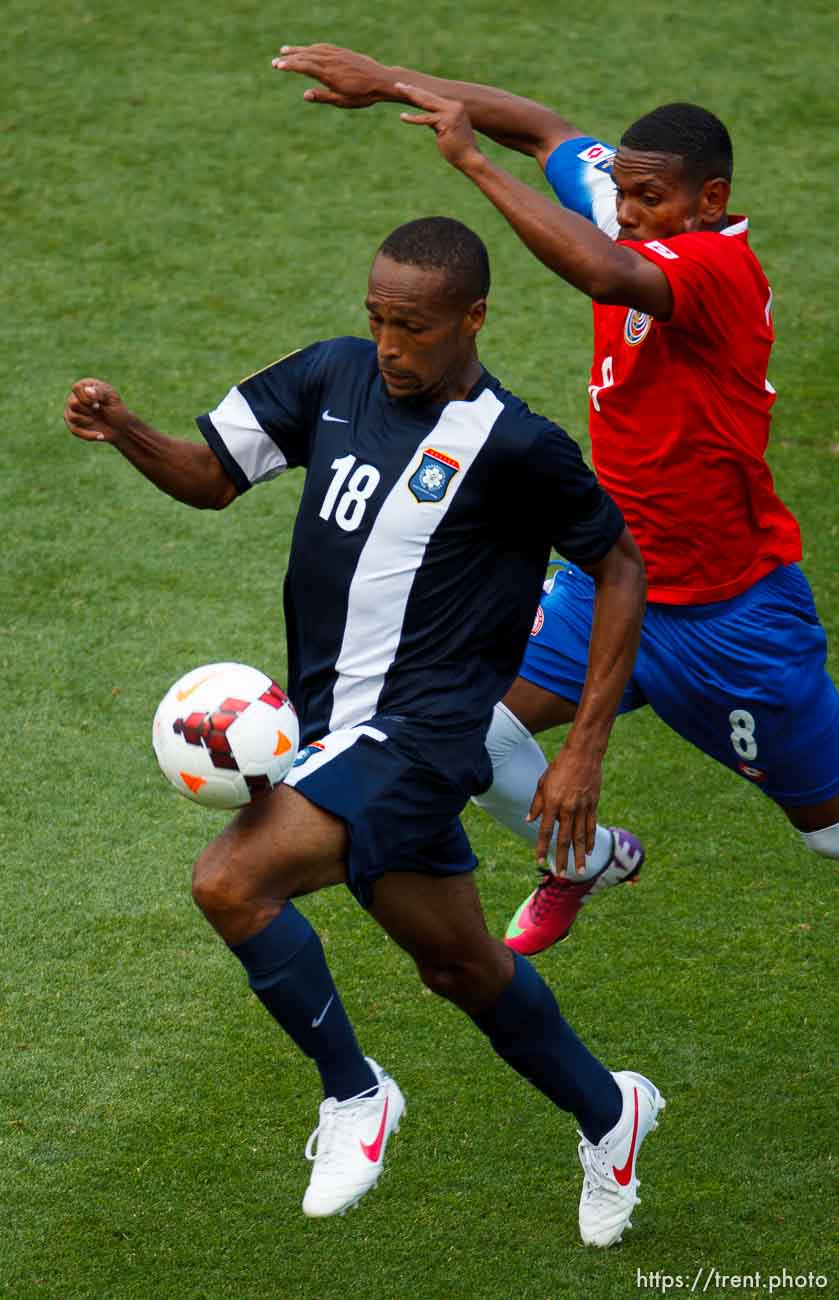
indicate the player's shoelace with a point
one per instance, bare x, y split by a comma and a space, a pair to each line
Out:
598, 1176
547, 895
325, 1142
319, 1145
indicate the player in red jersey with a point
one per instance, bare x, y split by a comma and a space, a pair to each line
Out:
732, 653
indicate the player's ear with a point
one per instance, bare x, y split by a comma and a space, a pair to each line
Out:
476, 315
713, 200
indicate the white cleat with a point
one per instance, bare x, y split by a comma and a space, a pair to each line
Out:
609, 1183
351, 1137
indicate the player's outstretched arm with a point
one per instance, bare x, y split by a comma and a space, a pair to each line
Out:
185, 470
569, 789
566, 242
352, 80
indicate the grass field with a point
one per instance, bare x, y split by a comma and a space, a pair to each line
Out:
176, 216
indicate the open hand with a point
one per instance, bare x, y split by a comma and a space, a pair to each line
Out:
95, 411
349, 80
567, 794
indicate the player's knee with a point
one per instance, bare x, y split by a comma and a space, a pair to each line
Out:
463, 985
824, 842
468, 984
218, 888
437, 979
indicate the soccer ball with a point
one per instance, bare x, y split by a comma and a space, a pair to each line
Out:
225, 734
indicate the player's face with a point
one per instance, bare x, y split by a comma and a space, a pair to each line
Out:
425, 341
653, 199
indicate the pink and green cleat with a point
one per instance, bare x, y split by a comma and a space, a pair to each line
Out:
546, 915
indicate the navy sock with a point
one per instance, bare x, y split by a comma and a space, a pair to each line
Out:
288, 973
528, 1031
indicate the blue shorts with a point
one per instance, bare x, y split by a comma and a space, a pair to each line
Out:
399, 787
744, 679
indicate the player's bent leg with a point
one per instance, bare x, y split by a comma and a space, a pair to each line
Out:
277, 848
439, 921
281, 847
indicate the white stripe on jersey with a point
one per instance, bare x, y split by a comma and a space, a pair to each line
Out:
337, 742
391, 556
257, 455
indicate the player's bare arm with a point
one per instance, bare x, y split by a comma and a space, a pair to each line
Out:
352, 80
566, 243
187, 471
569, 789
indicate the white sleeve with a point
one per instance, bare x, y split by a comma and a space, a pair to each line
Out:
580, 174
236, 436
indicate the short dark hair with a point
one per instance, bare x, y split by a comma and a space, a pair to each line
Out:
441, 243
692, 133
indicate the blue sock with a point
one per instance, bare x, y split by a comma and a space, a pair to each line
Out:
528, 1031
288, 973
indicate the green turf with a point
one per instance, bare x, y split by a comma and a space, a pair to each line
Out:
176, 217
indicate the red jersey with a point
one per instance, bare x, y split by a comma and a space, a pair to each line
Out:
680, 413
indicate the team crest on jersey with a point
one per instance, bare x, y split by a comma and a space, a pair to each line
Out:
753, 773
306, 753
637, 326
431, 480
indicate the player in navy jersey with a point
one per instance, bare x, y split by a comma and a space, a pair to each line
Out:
421, 469
732, 653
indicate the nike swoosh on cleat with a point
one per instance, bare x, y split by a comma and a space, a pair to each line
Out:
624, 1174
315, 1023
373, 1150
514, 929
333, 419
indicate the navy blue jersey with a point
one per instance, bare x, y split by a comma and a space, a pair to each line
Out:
422, 534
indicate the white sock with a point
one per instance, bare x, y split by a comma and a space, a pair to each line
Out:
517, 764
825, 841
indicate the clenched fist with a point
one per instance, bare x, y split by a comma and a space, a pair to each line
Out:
95, 411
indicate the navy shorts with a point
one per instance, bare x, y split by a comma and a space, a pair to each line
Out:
400, 788
743, 679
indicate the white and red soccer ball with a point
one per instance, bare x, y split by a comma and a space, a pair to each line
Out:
225, 734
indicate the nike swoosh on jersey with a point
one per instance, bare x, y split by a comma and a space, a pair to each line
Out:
374, 1150
624, 1174
316, 1022
333, 419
